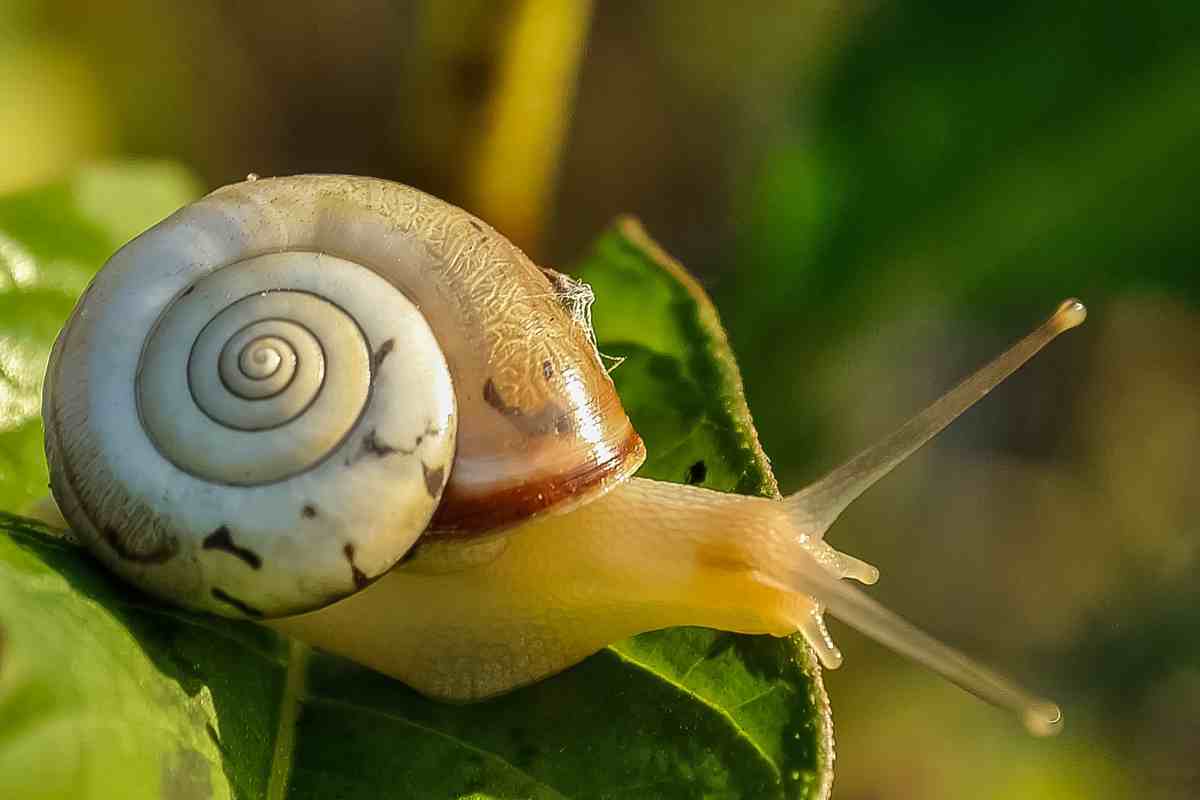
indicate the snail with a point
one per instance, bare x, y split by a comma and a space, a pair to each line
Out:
359, 415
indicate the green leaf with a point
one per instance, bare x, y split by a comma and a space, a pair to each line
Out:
52, 240
105, 693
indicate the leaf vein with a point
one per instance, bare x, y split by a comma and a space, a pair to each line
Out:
765, 693
289, 710
708, 704
329, 701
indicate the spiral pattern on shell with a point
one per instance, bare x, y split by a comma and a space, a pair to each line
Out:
254, 366
228, 431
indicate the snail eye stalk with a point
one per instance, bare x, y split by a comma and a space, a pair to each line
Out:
823, 501
817, 507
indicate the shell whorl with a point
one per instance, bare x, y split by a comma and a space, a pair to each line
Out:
255, 365
214, 440
255, 438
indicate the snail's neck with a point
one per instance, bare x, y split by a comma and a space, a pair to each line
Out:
668, 554
645, 556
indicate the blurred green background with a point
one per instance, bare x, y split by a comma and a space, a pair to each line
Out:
880, 196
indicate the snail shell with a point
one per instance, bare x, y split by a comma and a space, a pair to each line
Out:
262, 402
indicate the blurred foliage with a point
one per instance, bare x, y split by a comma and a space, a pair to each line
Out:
880, 195
52, 240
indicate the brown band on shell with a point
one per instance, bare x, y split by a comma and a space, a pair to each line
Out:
469, 516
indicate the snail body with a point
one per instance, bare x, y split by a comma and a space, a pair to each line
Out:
358, 414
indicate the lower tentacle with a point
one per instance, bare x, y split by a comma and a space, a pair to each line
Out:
828, 591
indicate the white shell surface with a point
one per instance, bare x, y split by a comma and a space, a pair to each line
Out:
266, 436
323, 493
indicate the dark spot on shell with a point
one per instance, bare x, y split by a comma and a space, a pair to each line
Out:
372, 445
435, 479
159, 552
309, 511
384, 350
491, 396
360, 578
228, 599
549, 419
696, 473
547, 370
221, 539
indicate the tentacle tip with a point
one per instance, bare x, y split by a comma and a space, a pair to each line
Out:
830, 657
812, 628
1043, 718
1070, 314
855, 568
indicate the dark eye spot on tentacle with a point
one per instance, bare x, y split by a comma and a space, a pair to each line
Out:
309, 511
547, 370
384, 350
222, 539
149, 550
696, 473
228, 599
434, 479
360, 578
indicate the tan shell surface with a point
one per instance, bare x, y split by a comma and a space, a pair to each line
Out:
540, 423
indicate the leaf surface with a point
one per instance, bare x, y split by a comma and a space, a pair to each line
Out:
105, 693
